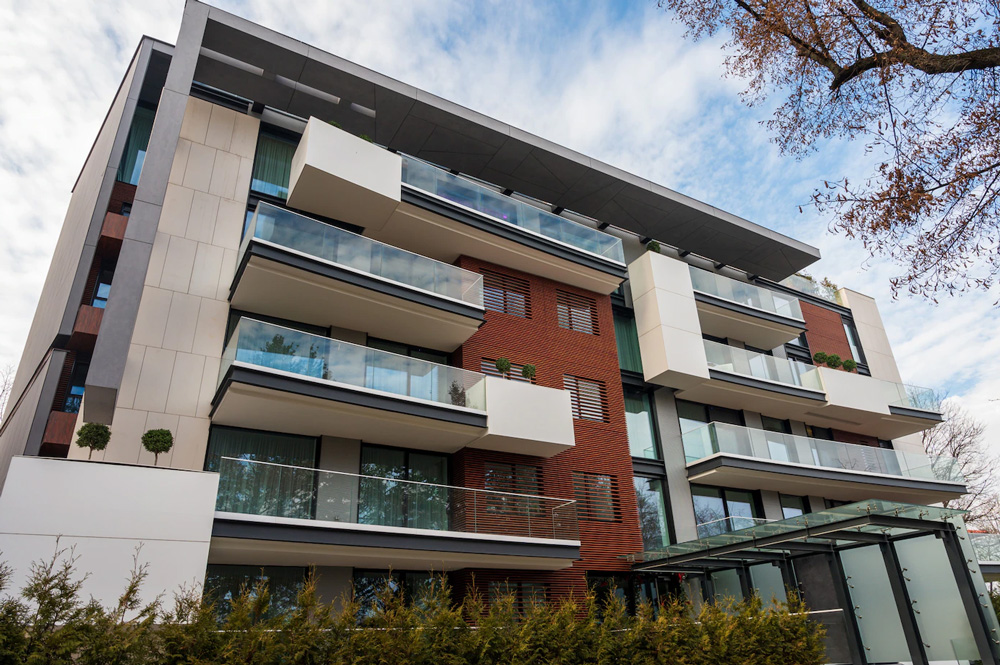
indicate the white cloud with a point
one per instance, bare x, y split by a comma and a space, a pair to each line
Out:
621, 85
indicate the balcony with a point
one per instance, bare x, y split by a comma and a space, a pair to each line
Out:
410, 203
58, 435
300, 269
85, 328
987, 549
270, 513
733, 456
278, 379
733, 309
112, 233
810, 286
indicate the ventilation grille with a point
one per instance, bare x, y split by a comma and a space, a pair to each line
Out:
503, 293
516, 478
577, 313
589, 398
596, 496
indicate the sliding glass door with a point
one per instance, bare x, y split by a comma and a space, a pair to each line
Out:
390, 493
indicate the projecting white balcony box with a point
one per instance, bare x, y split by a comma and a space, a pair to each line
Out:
409, 203
756, 316
285, 515
300, 269
278, 379
732, 456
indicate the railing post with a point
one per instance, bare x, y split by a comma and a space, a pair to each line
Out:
475, 511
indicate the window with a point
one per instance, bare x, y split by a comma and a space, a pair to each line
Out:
718, 510
650, 498
627, 339
779, 442
503, 293
77, 379
488, 366
371, 585
854, 341
824, 433
223, 584
589, 398
596, 496
576, 312
397, 376
639, 420
384, 500
272, 165
524, 594
516, 479
800, 341
693, 415
793, 506
134, 154
102, 289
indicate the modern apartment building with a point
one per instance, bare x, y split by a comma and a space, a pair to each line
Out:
392, 337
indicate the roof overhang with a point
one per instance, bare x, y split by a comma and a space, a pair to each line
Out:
262, 65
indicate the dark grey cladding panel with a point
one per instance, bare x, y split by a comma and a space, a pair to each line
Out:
392, 109
593, 191
285, 59
243, 83
411, 134
348, 87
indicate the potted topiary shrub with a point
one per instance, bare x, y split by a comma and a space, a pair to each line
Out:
157, 441
503, 366
93, 436
528, 372
457, 394
819, 357
653, 246
850, 365
833, 361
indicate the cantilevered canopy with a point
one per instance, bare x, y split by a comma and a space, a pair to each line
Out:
245, 59
824, 531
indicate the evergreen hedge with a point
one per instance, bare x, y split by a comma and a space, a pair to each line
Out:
50, 623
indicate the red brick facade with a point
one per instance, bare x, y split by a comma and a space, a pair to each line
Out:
825, 331
601, 447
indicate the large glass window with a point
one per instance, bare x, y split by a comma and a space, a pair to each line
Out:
398, 377
627, 339
225, 583
384, 498
793, 506
719, 510
102, 288
692, 415
272, 165
370, 585
639, 420
854, 342
650, 497
77, 379
134, 155
780, 448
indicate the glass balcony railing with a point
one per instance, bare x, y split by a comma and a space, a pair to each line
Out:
761, 366
812, 287
760, 444
986, 545
915, 397
349, 250
506, 209
276, 490
319, 358
745, 294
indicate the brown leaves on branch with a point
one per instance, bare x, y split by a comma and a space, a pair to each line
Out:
919, 83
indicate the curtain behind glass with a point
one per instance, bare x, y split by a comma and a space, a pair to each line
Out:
639, 422
382, 501
427, 507
272, 166
135, 146
224, 583
263, 489
627, 339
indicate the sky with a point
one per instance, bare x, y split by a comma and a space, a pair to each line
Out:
616, 81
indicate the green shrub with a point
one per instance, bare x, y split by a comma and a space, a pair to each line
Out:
653, 246
93, 436
503, 366
157, 441
366, 138
819, 357
833, 360
528, 372
48, 622
850, 365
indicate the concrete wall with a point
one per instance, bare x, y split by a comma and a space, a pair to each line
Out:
172, 368
106, 514
681, 505
527, 419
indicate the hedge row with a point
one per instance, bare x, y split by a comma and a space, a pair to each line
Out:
50, 623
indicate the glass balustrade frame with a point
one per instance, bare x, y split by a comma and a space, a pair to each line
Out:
278, 490
715, 438
743, 293
483, 200
313, 357
761, 366
329, 244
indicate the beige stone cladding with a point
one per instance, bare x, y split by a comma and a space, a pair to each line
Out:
174, 356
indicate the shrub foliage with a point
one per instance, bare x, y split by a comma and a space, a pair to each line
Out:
93, 436
50, 623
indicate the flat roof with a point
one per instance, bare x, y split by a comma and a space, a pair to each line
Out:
252, 61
